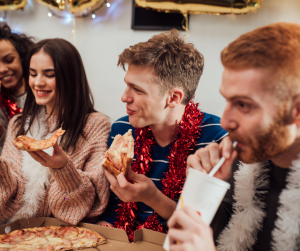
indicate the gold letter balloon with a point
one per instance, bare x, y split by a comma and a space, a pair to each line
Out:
12, 4
217, 7
73, 6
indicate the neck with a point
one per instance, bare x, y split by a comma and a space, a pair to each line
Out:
286, 158
49, 109
19, 89
164, 132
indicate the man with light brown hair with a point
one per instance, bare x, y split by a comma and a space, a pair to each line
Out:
161, 81
261, 84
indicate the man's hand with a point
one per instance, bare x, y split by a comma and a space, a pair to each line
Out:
188, 232
142, 190
58, 160
206, 158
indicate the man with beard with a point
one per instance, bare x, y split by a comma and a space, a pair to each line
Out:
261, 84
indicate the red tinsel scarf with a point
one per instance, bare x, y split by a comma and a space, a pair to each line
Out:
9, 106
187, 134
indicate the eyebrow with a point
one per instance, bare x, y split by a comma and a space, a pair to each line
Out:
9, 54
47, 70
240, 96
136, 86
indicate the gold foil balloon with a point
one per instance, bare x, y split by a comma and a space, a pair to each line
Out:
73, 6
76, 6
56, 4
12, 4
217, 7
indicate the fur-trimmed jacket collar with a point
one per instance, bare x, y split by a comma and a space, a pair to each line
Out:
36, 176
248, 210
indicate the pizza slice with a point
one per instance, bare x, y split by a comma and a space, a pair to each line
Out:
28, 144
119, 156
50, 238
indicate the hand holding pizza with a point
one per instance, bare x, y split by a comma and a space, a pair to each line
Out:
34, 147
58, 160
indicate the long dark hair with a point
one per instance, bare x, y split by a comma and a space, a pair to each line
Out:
23, 45
75, 99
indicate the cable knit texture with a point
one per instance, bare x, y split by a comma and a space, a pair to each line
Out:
75, 191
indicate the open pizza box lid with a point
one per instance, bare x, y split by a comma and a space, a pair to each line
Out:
144, 239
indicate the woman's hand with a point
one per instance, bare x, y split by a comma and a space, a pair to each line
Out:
58, 160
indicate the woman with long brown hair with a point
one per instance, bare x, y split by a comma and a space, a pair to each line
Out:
66, 181
14, 52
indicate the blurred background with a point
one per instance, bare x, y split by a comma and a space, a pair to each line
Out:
101, 38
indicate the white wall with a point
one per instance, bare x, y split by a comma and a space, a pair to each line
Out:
102, 39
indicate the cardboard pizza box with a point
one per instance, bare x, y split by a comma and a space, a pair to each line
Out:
144, 239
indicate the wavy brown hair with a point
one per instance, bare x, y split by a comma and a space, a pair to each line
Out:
75, 100
175, 62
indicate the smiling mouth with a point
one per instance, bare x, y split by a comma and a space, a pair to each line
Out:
42, 93
7, 77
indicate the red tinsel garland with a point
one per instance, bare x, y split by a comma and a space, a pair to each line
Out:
187, 133
9, 106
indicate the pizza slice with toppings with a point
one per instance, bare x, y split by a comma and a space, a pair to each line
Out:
52, 238
28, 144
119, 156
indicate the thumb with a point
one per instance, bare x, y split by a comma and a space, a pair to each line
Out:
131, 174
57, 149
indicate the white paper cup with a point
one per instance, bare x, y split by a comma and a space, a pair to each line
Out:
203, 193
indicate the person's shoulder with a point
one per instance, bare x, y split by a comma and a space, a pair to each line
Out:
96, 121
211, 130
210, 119
96, 117
121, 126
13, 119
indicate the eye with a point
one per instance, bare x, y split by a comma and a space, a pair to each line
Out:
50, 76
32, 74
243, 106
9, 60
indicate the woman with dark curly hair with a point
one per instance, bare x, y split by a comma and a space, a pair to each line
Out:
14, 66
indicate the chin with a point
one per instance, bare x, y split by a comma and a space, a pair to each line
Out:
136, 123
10, 85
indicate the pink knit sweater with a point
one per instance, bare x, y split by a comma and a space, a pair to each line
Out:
77, 190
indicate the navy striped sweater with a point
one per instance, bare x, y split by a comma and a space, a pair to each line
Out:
211, 132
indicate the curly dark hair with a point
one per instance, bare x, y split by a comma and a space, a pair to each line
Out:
175, 62
22, 43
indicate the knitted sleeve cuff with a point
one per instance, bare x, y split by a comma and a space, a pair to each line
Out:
68, 177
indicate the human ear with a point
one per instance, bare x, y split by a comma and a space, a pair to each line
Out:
174, 98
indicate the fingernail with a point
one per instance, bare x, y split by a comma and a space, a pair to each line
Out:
198, 213
227, 155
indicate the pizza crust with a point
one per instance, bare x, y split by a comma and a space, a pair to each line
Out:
28, 144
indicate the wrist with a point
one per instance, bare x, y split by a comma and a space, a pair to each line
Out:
153, 196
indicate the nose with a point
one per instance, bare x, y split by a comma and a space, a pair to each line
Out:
3, 68
39, 81
126, 97
228, 121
